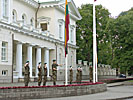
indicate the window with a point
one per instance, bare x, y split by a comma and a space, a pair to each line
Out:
14, 16
5, 8
71, 35
60, 31
44, 26
71, 61
4, 72
4, 51
24, 19
32, 22
60, 58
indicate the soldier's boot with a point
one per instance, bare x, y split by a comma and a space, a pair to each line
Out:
39, 83
54, 83
44, 83
70, 82
26, 84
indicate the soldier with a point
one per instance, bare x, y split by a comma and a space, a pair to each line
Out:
78, 75
45, 74
71, 74
80, 79
54, 71
27, 73
91, 73
39, 74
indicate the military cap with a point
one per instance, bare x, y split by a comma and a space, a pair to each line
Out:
45, 63
27, 61
39, 63
54, 60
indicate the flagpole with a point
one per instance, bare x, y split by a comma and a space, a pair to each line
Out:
66, 81
96, 66
96, 47
94, 44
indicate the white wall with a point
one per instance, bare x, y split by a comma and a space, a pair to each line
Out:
23, 8
49, 12
6, 36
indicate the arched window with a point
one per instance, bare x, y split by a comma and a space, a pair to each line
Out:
24, 19
32, 21
14, 16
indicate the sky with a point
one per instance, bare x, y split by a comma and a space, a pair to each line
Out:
115, 7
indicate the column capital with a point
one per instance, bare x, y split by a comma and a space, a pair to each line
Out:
38, 46
19, 42
46, 48
28, 44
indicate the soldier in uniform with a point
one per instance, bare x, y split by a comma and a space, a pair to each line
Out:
91, 73
80, 79
54, 71
27, 73
78, 75
45, 74
39, 74
71, 74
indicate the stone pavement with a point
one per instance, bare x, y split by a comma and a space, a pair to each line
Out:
113, 93
115, 84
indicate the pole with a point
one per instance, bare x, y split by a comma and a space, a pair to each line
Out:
96, 66
12, 55
66, 81
94, 44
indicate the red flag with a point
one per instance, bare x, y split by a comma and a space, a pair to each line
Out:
66, 27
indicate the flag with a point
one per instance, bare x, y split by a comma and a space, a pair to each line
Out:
66, 27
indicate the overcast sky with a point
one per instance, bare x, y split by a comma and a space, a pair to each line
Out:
115, 6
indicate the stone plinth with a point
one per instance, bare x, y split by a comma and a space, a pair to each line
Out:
19, 93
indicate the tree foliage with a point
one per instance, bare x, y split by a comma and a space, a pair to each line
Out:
120, 31
85, 30
114, 37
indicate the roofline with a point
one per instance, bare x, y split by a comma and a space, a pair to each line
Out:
35, 4
80, 17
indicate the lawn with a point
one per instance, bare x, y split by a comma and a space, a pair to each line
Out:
130, 81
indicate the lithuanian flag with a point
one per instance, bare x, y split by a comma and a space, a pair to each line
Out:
66, 27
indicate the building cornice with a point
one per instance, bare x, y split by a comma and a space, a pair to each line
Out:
34, 34
31, 3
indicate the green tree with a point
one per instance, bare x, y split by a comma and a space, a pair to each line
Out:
85, 32
120, 31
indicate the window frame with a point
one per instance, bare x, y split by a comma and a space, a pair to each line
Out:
60, 29
4, 52
46, 27
14, 16
4, 73
5, 6
24, 19
71, 35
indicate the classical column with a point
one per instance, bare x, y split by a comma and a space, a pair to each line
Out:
19, 59
38, 58
46, 60
29, 58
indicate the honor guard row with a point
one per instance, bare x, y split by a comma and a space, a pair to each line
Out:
43, 71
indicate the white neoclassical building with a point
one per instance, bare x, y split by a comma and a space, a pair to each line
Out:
34, 31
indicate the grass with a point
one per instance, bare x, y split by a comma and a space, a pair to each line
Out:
130, 81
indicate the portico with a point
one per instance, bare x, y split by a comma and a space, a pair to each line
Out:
34, 54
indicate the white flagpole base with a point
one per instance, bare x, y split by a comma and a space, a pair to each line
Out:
66, 78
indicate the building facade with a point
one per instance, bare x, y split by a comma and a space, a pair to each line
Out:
34, 31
